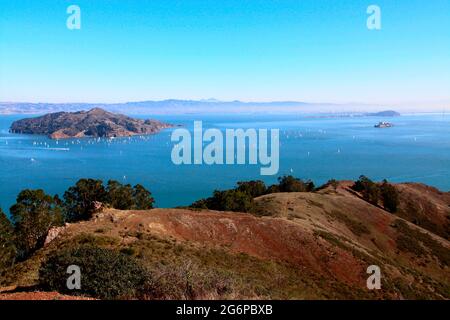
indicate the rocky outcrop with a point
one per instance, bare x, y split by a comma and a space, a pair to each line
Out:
53, 233
93, 123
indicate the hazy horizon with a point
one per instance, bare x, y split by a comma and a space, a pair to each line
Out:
167, 106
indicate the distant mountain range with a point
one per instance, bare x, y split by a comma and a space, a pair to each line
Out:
174, 106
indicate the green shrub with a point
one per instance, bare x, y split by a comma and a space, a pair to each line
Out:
105, 273
292, 184
228, 200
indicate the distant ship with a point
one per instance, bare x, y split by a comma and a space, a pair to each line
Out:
383, 124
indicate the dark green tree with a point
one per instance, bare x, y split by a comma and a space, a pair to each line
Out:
227, 200
7, 244
274, 188
253, 188
292, 184
369, 189
119, 196
200, 204
143, 199
82, 200
389, 195
34, 213
361, 183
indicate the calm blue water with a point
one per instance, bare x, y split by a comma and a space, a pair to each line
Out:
416, 149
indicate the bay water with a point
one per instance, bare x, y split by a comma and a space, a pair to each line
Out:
317, 147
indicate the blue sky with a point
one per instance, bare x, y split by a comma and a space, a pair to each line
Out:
306, 50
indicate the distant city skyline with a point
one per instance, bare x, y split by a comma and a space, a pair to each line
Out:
315, 51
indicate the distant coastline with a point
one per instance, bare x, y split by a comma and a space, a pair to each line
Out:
210, 106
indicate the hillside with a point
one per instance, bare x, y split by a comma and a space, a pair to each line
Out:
93, 123
299, 246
